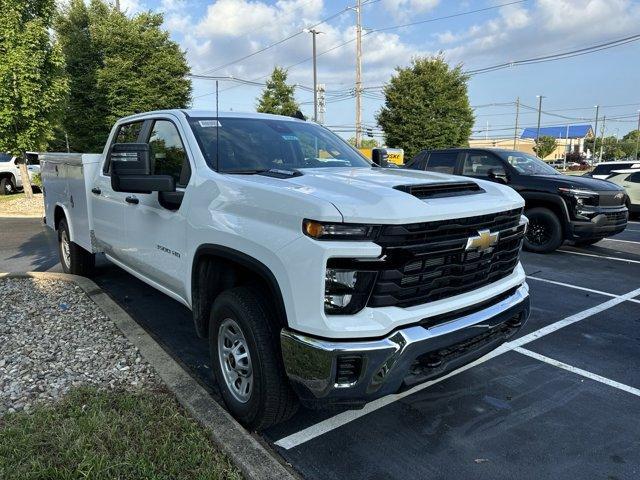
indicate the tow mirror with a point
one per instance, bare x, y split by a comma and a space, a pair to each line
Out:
131, 170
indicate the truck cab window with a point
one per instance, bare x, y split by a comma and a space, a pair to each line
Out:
168, 156
480, 164
442, 162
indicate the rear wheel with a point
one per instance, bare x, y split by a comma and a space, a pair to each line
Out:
246, 360
7, 187
74, 259
544, 233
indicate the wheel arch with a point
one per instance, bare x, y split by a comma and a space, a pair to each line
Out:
551, 202
60, 212
216, 268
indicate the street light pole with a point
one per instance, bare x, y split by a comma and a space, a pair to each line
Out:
604, 126
515, 132
540, 97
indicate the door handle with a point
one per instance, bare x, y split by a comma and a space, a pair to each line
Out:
96, 191
132, 200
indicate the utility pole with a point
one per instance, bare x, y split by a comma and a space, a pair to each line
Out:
322, 104
604, 125
595, 135
515, 132
486, 132
540, 97
638, 136
315, 32
118, 5
358, 91
567, 148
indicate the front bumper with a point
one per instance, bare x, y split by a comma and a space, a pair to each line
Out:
603, 222
328, 372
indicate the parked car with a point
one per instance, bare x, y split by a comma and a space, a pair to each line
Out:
630, 180
603, 170
559, 207
315, 274
10, 178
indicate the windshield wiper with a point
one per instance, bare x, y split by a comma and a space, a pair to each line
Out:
269, 172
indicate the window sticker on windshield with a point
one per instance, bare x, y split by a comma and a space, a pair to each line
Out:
209, 123
290, 138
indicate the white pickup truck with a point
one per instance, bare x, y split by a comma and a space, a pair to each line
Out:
317, 276
10, 177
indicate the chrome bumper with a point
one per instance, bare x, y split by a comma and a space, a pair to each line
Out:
353, 372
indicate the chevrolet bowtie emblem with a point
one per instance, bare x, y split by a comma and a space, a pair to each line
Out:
484, 241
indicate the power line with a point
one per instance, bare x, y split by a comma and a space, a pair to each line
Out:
557, 56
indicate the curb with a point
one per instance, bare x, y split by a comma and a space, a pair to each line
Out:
245, 451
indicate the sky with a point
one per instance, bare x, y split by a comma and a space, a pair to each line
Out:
217, 34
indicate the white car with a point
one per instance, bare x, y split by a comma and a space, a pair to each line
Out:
10, 178
629, 179
603, 169
314, 273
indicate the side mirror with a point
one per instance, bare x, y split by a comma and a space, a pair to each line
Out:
131, 170
498, 174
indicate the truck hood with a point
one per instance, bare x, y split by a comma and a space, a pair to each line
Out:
367, 195
584, 183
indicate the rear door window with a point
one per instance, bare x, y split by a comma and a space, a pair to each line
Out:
442, 162
634, 177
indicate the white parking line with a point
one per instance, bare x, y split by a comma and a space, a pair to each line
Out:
579, 371
343, 418
576, 287
616, 240
599, 256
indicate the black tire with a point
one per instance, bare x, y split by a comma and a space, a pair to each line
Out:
78, 261
586, 242
271, 399
544, 233
7, 187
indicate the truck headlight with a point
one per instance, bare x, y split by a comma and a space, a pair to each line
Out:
346, 291
580, 197
338, 231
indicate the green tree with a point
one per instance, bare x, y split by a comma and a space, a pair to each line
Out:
32, 81
118, 66
544, 146
365, 143
278, 97
426, 106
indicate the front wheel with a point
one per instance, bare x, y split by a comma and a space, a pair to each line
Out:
544, 233
246, 360
74, 259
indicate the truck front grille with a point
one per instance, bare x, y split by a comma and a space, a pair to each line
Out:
428, 261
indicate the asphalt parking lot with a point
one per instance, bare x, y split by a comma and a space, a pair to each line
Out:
561, 400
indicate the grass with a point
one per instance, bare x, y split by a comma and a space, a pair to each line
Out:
14, 196
108, 435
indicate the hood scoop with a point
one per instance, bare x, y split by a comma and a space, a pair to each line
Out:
441, 190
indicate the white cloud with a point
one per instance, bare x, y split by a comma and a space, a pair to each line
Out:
547, 26
403, 9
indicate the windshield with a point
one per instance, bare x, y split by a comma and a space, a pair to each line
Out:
247, 145
526, 164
